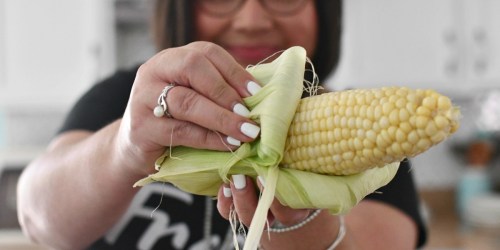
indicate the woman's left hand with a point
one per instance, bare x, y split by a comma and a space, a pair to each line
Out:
241, 195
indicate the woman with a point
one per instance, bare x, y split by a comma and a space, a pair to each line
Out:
79, 193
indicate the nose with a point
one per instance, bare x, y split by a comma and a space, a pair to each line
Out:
252, 16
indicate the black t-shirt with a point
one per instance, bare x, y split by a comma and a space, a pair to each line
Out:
164, 217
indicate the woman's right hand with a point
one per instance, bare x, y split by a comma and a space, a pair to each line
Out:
206, 104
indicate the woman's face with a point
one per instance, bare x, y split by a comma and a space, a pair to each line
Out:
253, 33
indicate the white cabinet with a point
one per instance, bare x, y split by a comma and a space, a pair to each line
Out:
449, 45
52, 50
2, 46
481, 35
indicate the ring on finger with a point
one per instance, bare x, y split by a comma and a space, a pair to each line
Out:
161, 108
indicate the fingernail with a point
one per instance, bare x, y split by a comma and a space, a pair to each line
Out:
233, 141
250, 130
239, 181
253, 87
240, 109
262, 181
227, 192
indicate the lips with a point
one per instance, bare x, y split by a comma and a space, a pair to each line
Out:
251, 54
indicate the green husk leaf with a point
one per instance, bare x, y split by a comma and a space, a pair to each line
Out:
338, 194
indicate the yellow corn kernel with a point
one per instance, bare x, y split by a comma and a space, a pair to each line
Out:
347, 132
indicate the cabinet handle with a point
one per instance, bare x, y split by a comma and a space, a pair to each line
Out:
450, 37
480, 43
451, 66
452, 63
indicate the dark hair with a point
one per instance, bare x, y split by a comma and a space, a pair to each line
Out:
173, 25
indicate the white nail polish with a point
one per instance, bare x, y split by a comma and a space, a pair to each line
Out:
233, 141
262, 181
250, 130
253, 87
240, 109
227, 192
239, 181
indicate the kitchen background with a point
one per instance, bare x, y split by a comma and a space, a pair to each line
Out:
53, 50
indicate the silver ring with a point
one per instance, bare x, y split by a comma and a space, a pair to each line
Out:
161, 108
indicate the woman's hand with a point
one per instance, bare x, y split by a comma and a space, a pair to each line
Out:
206, 104
242, 197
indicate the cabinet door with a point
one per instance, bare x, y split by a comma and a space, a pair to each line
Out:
2, 45
53, 49
482, 36
405, 42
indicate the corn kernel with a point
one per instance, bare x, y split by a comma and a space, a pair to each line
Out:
350, 131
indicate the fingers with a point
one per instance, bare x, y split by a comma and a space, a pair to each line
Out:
231, 72
225, 201
173, 132
206, 105
186, 104
209, 70
197, 122
240, 196
243, 198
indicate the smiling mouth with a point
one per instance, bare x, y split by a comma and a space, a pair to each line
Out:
251, 54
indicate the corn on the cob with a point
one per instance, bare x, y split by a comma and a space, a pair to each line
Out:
358, 130
347, 132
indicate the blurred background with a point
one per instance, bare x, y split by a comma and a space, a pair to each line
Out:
51, 51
